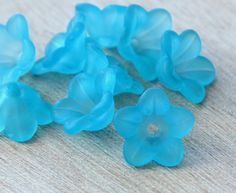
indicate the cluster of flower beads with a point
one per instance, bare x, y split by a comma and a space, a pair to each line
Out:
153, 129
21, 108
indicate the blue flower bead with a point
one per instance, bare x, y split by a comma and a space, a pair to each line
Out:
65, 53
17, 52
124, 82
140, 43
21, 111
182, 68
89, 105
104, 26
153, 130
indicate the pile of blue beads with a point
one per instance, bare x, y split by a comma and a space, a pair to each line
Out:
153, 129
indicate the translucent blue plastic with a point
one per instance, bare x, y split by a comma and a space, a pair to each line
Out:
65, 53
21, 111
153, 130
124, 82
96, 59
182, 68
89, 105
104, 26
17, 52
140, 43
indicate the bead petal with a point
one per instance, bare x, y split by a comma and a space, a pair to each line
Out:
96, 59
170, 42
137, 152
199, 69
101, 24
157, 23
57, 42
127, 121
193, 91
106, 80
189, 47
20, 128
125, 83
103, 114
82, 90
166, 75
17, 52
21, 111
64, 55
92, 17
113, 21
135, 18
179, 122
18, 27
44, 113
10, 49
154, 102
66, 110
170, 153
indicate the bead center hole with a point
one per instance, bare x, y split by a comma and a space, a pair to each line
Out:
153, 130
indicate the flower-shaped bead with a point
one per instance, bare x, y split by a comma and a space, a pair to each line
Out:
17, 52
140, 43
104, 26
65, 53
125, 83
153, 130
21, 111
182, 68
89, 105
